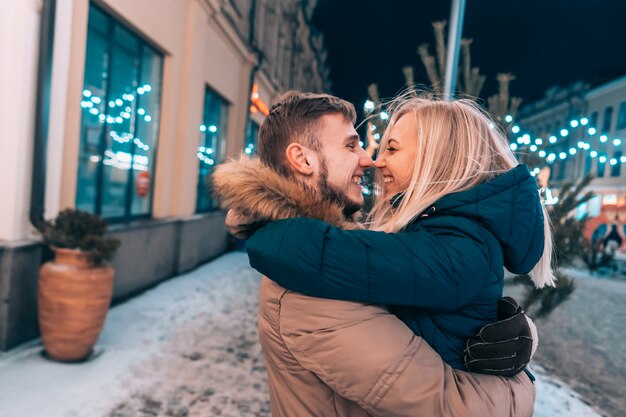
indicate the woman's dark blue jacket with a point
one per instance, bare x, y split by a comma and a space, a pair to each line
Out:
442, 275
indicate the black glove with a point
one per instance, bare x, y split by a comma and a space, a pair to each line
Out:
502, 348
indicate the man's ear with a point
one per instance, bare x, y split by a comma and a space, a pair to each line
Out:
299, 157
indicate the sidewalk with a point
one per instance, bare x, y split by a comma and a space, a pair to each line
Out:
582, 341
185, 348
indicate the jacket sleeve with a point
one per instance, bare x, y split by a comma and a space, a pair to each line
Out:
438, 268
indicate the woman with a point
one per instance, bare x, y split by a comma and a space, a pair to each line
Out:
455, 208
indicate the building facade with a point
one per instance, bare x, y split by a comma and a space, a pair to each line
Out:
124, 108
606, 106
581, 130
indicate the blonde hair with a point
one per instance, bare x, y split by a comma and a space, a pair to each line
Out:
459, 147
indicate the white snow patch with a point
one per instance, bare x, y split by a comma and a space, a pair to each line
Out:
555, 399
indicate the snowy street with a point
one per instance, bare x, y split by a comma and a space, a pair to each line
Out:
582, 341
185, 348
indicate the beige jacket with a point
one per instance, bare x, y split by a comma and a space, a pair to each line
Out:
336, 358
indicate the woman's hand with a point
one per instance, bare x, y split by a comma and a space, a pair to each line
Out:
505, 347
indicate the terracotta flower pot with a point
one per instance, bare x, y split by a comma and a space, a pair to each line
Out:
74, 297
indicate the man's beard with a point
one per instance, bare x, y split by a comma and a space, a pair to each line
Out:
333, 194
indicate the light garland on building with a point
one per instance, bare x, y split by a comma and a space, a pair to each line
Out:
553, 140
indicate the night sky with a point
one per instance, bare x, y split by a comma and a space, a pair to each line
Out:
542, 42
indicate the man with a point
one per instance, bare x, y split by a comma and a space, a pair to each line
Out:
335, 358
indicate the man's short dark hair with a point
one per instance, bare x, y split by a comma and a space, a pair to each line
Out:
295, 119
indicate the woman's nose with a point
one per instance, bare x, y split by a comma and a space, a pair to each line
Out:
379, 162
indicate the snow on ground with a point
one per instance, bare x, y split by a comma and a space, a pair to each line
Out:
185, 348
582, 341
555, 399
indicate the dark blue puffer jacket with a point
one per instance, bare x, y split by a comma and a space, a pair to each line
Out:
442, 275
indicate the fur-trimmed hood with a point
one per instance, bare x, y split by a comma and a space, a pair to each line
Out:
260, 193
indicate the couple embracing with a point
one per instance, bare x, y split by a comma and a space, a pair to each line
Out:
400, 314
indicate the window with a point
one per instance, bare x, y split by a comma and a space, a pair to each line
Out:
621, 116
594, 206
588, 163
616, 164
601, 164
120, 121
606, 122
252, 136
212, 147
562, 167
581, 211
609, 199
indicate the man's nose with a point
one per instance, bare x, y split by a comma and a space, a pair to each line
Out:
365, 161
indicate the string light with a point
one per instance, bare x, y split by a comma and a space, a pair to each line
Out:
124, 114
552, 139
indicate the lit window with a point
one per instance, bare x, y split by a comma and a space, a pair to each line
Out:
211, 148
609, 199
252, 134
117, 147
594, 206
